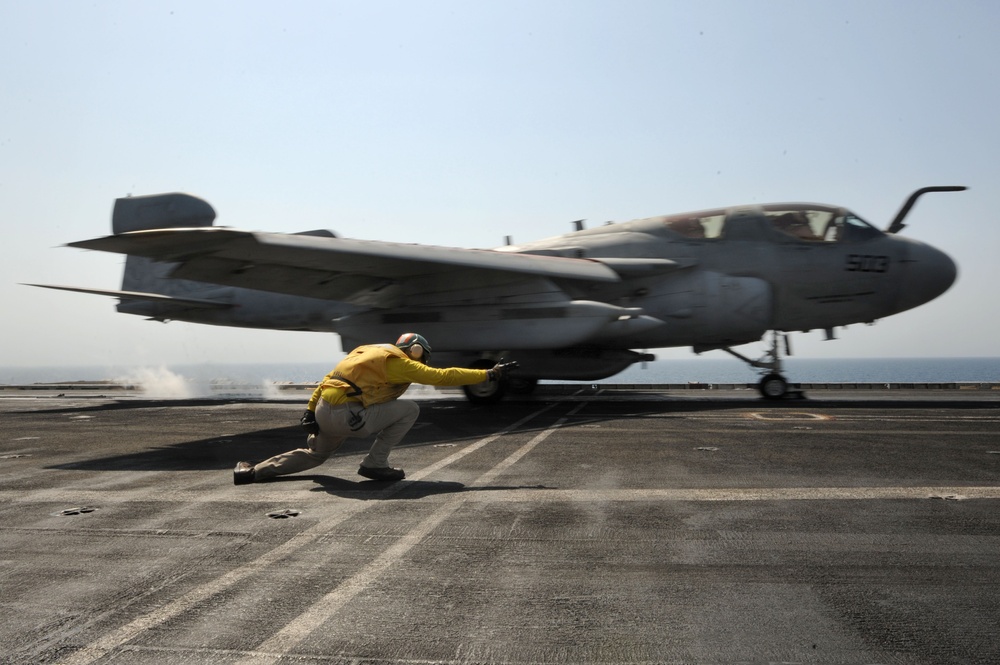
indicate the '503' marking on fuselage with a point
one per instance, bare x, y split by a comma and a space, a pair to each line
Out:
867, 263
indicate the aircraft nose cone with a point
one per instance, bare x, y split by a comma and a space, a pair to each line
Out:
929, 273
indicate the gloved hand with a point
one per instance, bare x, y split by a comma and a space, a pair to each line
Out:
308, 422
501, 370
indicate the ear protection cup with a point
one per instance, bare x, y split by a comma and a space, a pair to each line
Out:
415, 346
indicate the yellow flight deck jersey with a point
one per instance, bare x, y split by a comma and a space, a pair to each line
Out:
383, 372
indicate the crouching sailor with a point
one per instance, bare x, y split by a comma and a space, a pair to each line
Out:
359, 398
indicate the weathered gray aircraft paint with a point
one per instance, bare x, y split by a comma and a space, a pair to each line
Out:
571, 307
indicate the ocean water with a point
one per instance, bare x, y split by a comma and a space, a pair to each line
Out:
260, 379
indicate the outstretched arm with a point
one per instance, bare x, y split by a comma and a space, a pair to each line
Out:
401, 370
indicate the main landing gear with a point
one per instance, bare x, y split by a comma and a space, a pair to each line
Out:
487, 392
773, 385
491, 392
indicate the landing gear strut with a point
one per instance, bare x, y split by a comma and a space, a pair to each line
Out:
773, 385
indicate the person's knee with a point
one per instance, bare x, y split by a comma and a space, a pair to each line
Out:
317, 455
412, 410
320, 447
407, 413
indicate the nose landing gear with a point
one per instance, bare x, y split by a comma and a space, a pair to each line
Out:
773, 385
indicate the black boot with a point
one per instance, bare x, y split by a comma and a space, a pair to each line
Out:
382, 473
243, 473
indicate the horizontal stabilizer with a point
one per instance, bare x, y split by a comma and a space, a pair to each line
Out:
160, 211
137, 295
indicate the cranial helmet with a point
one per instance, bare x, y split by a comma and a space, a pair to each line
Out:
415, 346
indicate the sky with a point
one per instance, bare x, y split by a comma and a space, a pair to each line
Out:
460, 123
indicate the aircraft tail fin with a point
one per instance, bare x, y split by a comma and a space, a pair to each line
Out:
159, 211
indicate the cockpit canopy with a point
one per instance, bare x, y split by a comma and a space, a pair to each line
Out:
807, 222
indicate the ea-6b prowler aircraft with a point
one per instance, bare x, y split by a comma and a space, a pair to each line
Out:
573, 307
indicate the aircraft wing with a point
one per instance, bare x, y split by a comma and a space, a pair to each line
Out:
349, 270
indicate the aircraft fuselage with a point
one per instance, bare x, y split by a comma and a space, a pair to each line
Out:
569, 307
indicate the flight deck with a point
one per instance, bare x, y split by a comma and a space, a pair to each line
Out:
583, 524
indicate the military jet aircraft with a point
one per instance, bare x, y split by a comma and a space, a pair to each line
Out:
573, 307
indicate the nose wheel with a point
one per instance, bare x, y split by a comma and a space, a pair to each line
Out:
773, 385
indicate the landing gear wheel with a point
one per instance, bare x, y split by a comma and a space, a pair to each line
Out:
773, 386
487, 392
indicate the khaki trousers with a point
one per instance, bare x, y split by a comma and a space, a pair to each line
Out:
389, 422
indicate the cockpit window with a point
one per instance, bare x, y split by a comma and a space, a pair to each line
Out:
805, 224
698, 227
848, 227
855, 228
